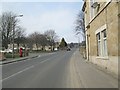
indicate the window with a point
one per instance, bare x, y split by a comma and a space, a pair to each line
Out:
91, 9
97, 9
98, 45
102, 43
86, 23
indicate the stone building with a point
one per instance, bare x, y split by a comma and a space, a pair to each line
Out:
102, 20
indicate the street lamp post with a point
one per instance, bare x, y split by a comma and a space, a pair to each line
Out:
14, 33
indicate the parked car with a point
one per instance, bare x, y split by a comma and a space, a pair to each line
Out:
2, 51
68, 49
55, 49
6, 51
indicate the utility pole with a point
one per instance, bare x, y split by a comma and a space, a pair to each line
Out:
14, 33
0, 40
13, 41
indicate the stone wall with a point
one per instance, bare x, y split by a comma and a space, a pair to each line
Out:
110, 64
83, 51
111, 22
107, 17
2, 57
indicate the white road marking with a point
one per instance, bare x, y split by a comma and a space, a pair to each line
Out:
44, 60
39, 56
23, 69
17, 73
52, 53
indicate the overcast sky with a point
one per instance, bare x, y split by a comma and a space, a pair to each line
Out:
42, 16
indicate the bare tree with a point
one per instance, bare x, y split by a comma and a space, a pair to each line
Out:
37, 39
52, 37
34, 37
20, 36
6, 25
0, 39
30, 42
43, 41
80, 25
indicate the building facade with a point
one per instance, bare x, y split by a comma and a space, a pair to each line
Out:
102, 19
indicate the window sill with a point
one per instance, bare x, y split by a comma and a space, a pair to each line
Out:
100, 57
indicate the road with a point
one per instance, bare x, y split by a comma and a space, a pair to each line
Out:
62, 69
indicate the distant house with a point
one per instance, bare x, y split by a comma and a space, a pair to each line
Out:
10, 46
35, 47
46, 47
102, 21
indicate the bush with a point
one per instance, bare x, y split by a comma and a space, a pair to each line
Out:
9, 55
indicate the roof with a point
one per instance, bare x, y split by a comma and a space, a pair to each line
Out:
84, 5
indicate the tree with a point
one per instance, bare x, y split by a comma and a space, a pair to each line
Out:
71, 44
52, 37
29, 42
0, 39
38, 39
43, 41
48, 38
7, 22
63, 44
80, 25
20, 36
34, 38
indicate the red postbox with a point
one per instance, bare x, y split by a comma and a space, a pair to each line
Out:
21, 52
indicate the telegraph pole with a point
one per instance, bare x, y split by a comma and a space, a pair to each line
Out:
14, 33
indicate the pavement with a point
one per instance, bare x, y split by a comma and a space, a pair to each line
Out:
90, 76
62, 69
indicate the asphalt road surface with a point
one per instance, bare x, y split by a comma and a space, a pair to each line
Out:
62, 69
